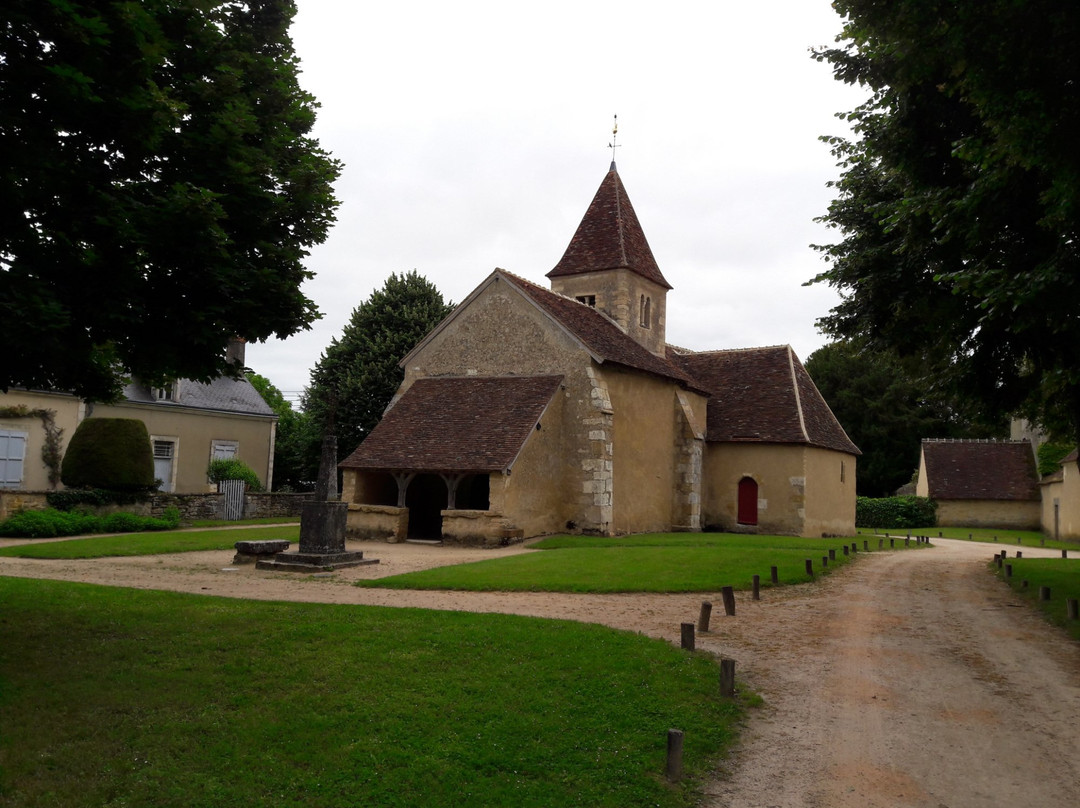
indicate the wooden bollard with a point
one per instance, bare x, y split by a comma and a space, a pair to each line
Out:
1008, 570
1064, 553
1019, 554
824, 562
756, 587
728, 594
907, 541
774, 574
704, 616
854, 548
832, 553
810, 568
1071, 608
1004, 553
880, 543
1044, 593
846, 550
866, 546
674, 754
1024, 584
1019, 539
997, 560
727, 678
892, 542
687, 636
939, 534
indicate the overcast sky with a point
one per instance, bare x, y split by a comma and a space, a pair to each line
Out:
474, 135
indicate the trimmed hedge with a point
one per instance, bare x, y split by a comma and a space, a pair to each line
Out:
895, 512
68, 499
50, 523
111, 453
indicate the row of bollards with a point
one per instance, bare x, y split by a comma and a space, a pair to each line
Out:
1071, 606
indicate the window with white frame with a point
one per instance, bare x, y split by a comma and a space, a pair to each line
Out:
12, 455
224, 449
164, 461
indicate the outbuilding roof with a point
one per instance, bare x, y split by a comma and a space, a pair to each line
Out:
762, 395
980, 469
457, 424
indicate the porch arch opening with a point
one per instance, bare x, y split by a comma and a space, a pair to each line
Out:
425, 498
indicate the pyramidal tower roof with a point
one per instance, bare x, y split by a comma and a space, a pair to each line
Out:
609, 237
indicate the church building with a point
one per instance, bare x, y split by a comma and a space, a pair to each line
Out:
531, 411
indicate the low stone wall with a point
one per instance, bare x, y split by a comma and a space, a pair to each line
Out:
478, 528
12, 502
191, 506
377, 522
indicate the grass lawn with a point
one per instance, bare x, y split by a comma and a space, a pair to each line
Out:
262, 520
1062, 575
658, 562
1032, 538
120, 697
130, 544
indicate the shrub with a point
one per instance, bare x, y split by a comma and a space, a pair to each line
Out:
233, 469
70, 499
899, 512
1050, 456
110, 453
50, 523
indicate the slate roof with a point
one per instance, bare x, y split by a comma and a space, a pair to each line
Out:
221, 395
609, 237
970, 469
599, 334
457, 424
762, 395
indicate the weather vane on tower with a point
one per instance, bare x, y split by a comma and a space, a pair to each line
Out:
613, 145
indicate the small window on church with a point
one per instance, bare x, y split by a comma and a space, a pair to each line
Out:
842, 471
588, 300
646, 313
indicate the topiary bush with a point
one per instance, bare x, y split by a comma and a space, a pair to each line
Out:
233, 469
110, 453
895, 512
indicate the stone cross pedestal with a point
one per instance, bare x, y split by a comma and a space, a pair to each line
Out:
322, 527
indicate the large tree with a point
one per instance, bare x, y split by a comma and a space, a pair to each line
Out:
959, 197
292, 439
159, 188
358, 374
887, 405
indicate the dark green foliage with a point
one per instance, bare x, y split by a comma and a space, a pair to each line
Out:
160, 188
959, 200
1050, 456
111, 453
895, 512
887, 405
232, 469
51, 523
358, 374
68, 499
292, 440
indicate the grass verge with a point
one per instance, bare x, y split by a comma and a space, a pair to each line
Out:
1031, 538
1062, 575
118, 697
131, 544
262, 520
659, 562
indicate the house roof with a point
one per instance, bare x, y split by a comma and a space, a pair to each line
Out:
971, 469
609, 237
221, 395
457, 424
762, 395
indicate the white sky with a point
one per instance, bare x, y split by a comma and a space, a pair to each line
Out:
474, 135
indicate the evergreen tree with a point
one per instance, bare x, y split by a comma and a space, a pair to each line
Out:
160, 189
357, 375
959, 200
292, 439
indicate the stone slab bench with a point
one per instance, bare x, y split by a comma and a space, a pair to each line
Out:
248, 552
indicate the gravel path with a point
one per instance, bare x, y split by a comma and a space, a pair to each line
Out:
906, 679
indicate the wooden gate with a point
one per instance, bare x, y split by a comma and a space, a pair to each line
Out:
234, 498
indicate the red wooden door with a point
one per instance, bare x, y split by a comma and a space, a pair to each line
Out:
747, 501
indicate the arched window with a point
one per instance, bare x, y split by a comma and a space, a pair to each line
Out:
748, 499
646, 314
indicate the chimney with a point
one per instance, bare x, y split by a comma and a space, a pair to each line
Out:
234, 351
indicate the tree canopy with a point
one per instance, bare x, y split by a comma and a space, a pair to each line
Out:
358, 374
292, 440
959, 196
160, 189
887, 405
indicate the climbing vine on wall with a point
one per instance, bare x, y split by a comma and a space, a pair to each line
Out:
50, 449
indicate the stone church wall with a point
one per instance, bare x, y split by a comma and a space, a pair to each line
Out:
830, 493
780, 473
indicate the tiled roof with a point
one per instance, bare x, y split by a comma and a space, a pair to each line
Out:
609, 237
763, 395
221, 395
602, 337
969, 469
457, 424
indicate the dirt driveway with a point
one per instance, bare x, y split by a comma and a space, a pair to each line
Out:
907, 679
